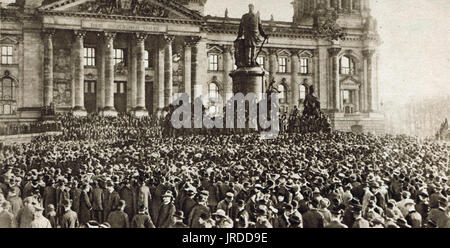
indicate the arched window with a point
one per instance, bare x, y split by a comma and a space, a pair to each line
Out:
302, 92
347, 66
7, 96
213, 91
282, 95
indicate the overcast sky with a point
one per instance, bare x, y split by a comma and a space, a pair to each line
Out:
415, 54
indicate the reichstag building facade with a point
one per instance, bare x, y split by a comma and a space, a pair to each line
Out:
112, 56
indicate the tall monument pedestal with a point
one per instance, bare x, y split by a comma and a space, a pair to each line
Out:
248, 80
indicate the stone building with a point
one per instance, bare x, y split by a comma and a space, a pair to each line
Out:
137, 56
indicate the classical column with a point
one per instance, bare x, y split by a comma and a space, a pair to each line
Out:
48, 66
199, 50
295, 68
187, 67
315, 72
350, 5
158, 84
100, 62
334, 51
339, 4
227, 68
79, 73
168, 69
357, 106
132, 73
273, 63
109, 109
140, 96
368, 54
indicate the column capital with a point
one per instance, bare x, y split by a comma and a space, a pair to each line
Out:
294, 52
79, 34
140, 36
273, 51
169, 38
109, 35
368, 53
192, 40
228, 49
48, 32
334, 51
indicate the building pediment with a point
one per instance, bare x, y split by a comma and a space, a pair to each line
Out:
131, 8
350, 83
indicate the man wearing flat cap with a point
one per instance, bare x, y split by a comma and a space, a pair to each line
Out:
439, 215
142, 219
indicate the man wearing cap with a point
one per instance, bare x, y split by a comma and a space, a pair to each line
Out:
112, 198
166, 211
118, 218
142, 219
240, 215
227, 203
413, 217
39, 220
75, 194
126, 193
188, 202
69, 218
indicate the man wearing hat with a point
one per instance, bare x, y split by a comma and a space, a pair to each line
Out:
142, 219
177, 220
126, 193
359, 222
439, 215
26, 214
188, 202
15, 200
336, 218
39, 220
70, 217
200, 207
97, 202
222, 220
166, 210
240, 215
112, 198
118, 218
313, 218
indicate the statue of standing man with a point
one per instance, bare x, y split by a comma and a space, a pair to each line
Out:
252, 30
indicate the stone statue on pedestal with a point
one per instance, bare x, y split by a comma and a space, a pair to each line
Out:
252, 31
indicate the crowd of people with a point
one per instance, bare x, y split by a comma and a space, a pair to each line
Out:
103, 172
29, 127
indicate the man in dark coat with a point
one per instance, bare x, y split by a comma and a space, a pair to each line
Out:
126, 193
85, 205
438, 215
200, 207
142, 219
75, 193
118, 218
313, 218
166, 211
359, 222
188, 203
97, 202
177, 220
112, 198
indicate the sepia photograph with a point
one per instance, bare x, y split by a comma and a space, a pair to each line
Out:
224, 114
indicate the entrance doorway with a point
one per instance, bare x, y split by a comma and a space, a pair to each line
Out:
90, 96
120, 96
149, 97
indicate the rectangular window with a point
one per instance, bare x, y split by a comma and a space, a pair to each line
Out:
86, 87
213, 62
261, 61
89, 56
148, 63
304, 65
346, 97
118, 56
7, 55
282, 62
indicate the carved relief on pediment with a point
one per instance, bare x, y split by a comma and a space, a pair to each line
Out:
124, 7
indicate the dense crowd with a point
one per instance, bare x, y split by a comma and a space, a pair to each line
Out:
121, 173
27, 128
